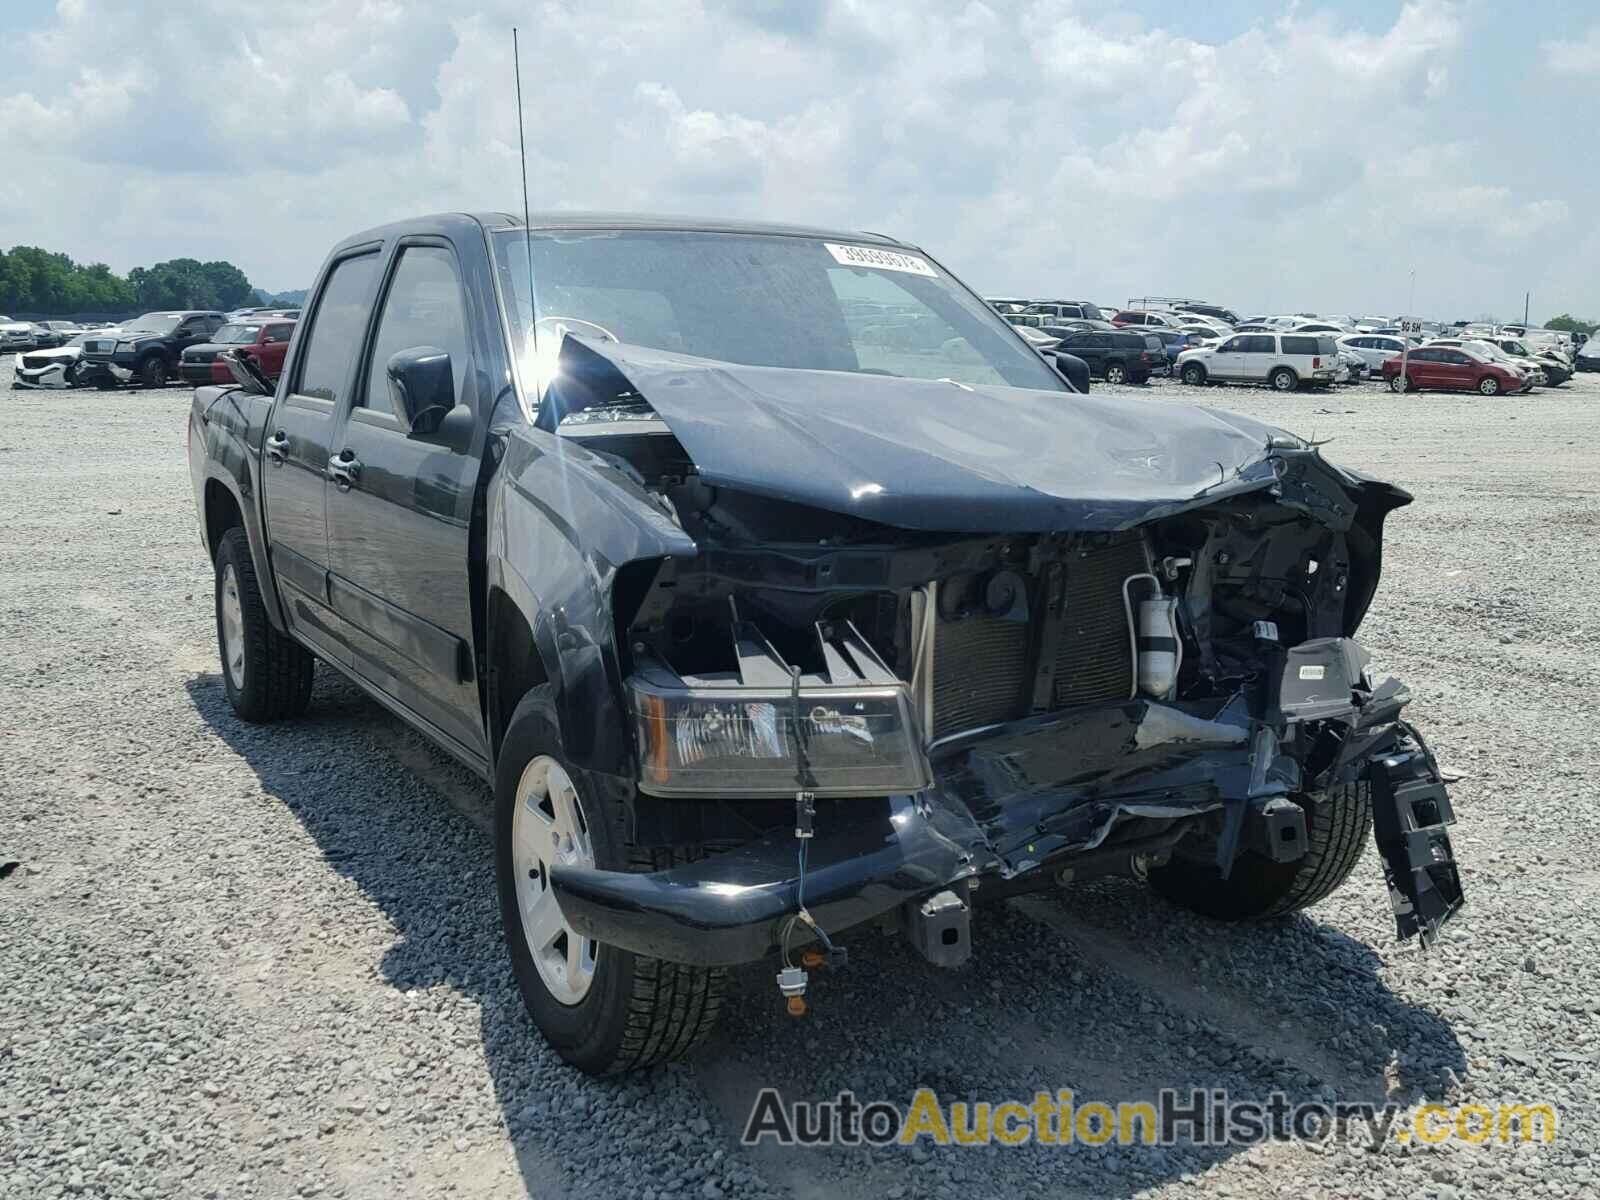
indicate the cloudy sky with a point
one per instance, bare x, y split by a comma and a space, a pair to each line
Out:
1269, 155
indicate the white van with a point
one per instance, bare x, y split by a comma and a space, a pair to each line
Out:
1283, 361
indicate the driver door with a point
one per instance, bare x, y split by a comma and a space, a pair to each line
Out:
400, 507
1228, 360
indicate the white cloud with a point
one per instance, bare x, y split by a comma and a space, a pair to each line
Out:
1051, 146
1574, 56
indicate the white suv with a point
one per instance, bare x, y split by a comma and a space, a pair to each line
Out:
1283, 361
1375, 348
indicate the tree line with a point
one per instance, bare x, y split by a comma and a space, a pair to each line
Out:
38, 281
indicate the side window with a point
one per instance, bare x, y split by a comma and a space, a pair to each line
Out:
1100, 341
1454, 357
1233, 345
336, 329
277, 333
1259, 343
423, 307
1300, 345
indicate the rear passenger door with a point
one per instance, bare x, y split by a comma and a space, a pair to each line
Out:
1258, 355
1092, 348
400, 505
299, 433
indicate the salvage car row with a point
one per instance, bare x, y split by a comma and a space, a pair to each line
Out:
1206, 343
158, 348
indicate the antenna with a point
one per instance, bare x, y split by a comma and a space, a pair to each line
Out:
522, 153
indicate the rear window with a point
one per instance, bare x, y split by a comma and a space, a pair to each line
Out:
1152, 342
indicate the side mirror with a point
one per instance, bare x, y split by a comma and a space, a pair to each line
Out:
1073, 369
422, 387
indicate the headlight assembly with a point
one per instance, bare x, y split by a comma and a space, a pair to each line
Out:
848, 730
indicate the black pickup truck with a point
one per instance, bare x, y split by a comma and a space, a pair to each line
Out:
147, 349
766, 620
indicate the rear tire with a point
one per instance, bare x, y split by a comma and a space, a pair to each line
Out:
267, 674
1399, 382
632, 1012
1193, 374
1338, 824
1116, 373
1283, 380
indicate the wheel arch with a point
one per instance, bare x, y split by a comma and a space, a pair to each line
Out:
223, 507
515, 663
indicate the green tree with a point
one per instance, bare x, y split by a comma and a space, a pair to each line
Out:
34, 280
186, 283
1571, 324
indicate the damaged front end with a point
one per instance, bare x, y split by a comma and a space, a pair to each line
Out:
1107, 639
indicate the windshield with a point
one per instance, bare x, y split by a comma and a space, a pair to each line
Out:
235, 335
154, 323
760, 300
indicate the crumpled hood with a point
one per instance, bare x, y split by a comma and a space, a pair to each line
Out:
927, 455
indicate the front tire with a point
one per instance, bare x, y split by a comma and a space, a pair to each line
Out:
1193, 374
1489, 386
1116, 373
153, 372
1283, 380
604, 1010
266, 674
1338, 823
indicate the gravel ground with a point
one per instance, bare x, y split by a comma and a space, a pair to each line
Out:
267, 962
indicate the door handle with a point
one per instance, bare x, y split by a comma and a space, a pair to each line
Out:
278, 446
344, 470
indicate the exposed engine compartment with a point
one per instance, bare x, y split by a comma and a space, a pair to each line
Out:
1021, 624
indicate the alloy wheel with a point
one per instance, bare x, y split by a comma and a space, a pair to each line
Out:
547, 829
232, 627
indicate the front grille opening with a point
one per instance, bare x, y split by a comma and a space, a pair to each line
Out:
985, 668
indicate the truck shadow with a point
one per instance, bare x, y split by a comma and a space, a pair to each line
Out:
1110, 993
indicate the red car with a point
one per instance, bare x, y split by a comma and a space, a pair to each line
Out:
267, 342
1442, 368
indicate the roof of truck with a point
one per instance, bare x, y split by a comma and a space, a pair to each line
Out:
611, 220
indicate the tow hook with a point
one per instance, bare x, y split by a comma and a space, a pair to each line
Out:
939, 927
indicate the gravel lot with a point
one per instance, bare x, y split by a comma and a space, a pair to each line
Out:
267, 962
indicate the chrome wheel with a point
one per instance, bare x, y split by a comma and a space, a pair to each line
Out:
232, 627
548, 828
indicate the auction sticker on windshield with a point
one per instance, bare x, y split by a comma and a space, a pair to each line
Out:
883, 260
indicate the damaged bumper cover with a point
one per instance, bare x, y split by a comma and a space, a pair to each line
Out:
1050, 791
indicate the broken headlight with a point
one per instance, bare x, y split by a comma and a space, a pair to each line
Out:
765, 731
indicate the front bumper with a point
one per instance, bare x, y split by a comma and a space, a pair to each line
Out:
204, 372
1028, 798
96, 370
54, 376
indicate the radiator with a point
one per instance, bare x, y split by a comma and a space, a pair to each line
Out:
984, 668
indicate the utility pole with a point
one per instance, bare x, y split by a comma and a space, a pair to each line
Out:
1526, 297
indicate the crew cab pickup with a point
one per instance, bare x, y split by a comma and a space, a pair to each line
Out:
146, 349
766, 619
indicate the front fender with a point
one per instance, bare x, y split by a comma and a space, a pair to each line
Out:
561, 523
